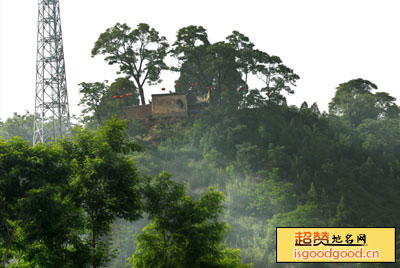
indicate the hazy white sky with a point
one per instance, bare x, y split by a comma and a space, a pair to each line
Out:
325, 42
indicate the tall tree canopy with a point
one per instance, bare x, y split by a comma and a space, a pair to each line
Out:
204, 66
223, 67
270, 70
355, 101
139, 53
101, 101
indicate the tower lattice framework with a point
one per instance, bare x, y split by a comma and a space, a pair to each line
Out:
52, 117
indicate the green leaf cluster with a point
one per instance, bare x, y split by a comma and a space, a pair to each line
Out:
183, 232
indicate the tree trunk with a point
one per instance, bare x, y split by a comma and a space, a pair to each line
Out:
141, 93
94, 264
94, 235
11, 239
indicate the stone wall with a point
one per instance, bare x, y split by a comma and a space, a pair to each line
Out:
169, 105
138, 112
162, 106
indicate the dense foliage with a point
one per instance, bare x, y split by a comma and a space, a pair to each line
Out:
284, 166
247, 164
59, 201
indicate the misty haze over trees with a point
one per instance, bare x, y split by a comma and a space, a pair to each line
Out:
207, 191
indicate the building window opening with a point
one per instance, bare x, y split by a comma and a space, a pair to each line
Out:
179, 104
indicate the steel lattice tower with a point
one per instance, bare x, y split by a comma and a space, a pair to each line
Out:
52, 117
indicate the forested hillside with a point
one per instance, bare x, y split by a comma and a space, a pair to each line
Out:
283, 166
204, 191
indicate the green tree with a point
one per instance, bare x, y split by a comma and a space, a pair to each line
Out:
225, 66
204, 66
355, 102
253, 99
343, 213
102, 101
139, 53
18, 125
276, 76
104, 182
184, 232
38, 222
58, 200
93, 95
244, 52
270, 69
123, 85
380, 135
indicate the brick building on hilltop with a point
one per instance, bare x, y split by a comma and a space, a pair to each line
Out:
172, 105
